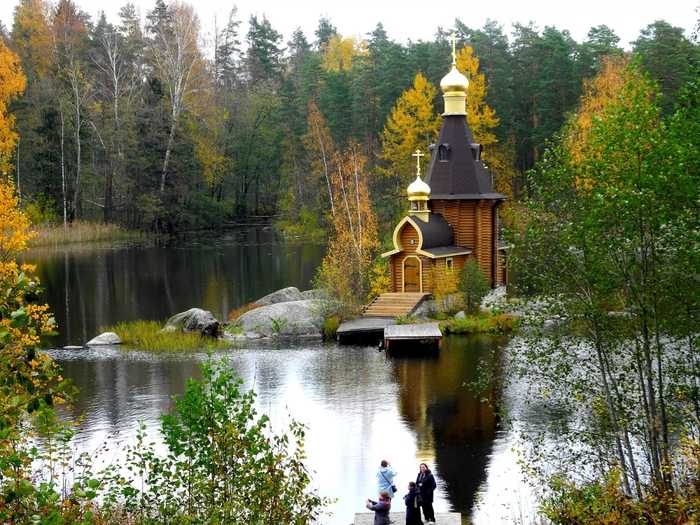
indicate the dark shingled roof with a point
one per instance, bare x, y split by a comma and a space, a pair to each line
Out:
436, 232
461, 176
438, 236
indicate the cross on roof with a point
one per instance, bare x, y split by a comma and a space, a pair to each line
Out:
418, 155
454, 41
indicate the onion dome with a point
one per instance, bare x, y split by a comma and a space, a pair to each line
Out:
454, 82
418, 190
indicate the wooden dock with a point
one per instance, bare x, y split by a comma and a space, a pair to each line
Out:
443, 518
364, 330
412, 339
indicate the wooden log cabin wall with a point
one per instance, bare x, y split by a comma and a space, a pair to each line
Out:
453, 213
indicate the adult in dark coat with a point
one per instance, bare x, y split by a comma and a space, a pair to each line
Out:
412, 505
426, 484
381, 508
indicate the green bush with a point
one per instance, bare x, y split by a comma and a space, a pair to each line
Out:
223, 464
330, 327
473, 284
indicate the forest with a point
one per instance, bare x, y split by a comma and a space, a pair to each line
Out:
160, 127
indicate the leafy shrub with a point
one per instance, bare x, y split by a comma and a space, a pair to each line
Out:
330, 327
224, 464
473, 284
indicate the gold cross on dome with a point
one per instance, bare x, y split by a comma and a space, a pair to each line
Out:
454, 43
418, 155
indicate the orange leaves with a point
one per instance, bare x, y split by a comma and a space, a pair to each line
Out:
354, 243
345, 269
12, 83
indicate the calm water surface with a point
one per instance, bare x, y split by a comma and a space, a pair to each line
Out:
359, 406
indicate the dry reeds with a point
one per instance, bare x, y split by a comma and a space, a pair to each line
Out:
82, 232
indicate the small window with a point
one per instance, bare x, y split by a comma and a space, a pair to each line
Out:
449, 264
414, 205
476, 151
444, 152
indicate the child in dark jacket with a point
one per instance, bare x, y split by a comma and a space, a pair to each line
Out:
412, 500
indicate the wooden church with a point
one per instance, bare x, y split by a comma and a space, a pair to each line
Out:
453, 213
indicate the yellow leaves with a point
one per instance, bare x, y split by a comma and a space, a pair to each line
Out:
31, 34
598, 92
482, 119
412, 125
339, 52
14, 226
346, 267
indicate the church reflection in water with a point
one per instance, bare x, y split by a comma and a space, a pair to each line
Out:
454, 429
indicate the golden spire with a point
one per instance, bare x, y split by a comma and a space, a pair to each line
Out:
454, 86
419, 192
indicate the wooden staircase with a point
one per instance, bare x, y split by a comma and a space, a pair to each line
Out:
394, 305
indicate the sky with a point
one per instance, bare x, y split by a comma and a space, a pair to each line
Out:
413, 20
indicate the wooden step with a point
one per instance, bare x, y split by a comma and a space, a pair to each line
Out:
393, 305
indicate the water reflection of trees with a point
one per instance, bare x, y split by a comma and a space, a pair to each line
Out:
99, 286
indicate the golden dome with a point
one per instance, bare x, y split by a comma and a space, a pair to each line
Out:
418, 190
454, 81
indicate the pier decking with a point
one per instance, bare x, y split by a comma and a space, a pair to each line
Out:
364, 330
443, 518
412, 339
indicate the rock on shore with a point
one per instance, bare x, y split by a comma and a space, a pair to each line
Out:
287, 313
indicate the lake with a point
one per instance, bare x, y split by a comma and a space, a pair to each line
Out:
360, 407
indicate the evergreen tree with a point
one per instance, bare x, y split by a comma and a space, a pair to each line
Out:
669, 57
264, 54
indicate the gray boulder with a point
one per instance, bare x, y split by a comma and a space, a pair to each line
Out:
285, 295
321, 295
105, 339
460, 315
194, 320
286, 319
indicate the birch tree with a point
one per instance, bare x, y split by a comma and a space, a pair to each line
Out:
176, 61
70, 35
609, 260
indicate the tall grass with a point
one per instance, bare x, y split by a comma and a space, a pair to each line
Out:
82, 232
149, 336
480, 323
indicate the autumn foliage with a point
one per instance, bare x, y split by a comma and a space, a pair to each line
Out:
12, 83
353, 246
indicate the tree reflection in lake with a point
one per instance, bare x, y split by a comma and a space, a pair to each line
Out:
89, 287
359, 406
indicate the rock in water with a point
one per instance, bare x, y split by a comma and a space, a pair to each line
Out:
105, 339
194, 320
